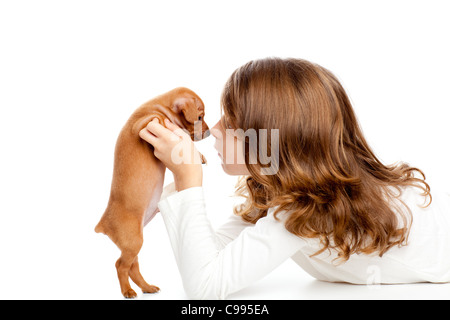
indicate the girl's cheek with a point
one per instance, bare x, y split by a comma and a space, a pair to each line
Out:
229, 153
239, 151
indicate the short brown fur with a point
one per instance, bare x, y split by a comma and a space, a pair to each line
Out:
138, 180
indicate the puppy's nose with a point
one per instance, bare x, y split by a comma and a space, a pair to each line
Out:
206, 134
200, 136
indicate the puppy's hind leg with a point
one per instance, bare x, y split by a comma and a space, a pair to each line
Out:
123, 266
129, 241
137, 278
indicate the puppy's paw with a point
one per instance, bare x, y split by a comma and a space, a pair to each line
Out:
129, 294
150, 289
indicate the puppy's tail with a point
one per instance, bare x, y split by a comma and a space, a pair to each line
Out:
105, 223
102, 225
99, 228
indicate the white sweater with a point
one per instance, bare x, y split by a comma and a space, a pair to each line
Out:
215, 263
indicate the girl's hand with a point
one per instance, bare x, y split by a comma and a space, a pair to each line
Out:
176, 151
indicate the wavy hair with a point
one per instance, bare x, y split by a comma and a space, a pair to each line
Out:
328, 179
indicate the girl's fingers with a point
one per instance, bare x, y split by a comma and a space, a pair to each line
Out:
147, 136
172, 132
174, 128
155, 134
170, 125
155, 128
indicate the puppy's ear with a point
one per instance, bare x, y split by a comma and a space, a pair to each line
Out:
187, 106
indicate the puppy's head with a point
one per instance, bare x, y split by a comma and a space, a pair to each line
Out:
191, 112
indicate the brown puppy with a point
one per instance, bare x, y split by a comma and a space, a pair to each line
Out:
138, 179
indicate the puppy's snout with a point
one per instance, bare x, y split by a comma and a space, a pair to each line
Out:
201, 130
206, 134
200, 136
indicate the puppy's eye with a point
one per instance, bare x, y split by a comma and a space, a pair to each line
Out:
200, 118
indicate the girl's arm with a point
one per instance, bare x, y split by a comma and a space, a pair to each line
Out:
212, 265
228, 231
209, 269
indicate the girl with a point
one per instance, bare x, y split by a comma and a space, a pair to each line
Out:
329, 203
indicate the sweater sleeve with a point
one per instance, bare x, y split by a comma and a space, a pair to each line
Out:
215, 264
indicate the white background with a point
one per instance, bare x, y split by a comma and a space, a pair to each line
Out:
71, 72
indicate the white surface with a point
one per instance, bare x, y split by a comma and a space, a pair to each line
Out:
72, 72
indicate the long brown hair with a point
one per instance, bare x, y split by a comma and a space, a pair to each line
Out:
328, 179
